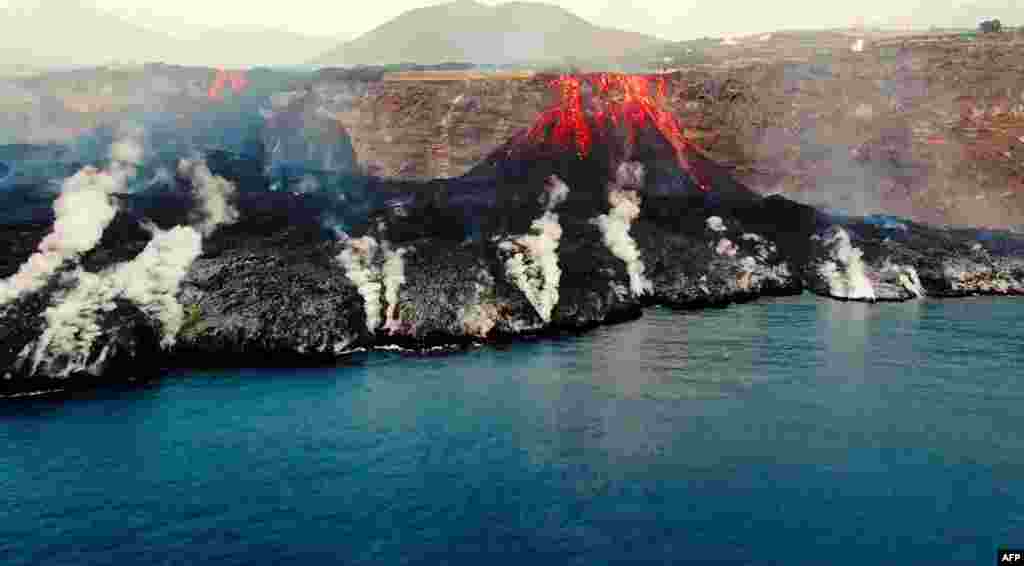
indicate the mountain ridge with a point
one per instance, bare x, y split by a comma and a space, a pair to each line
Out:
465, 30
90, 36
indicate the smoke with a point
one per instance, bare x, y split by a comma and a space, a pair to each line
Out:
630, 174
359, 259
82, 211
72, 325
308, 184
128, 150
479, 315
845, 273
726, 247
479, 319
715, 224
907, 277
625, 209
393, 274
213, 193
150, 280
555, 193
533, 265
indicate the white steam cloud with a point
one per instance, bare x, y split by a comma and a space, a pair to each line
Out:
533, 266
82, 213
213, 192
845, 272
907, 277
726, 247
625, 209
359, 258
393, 273
150, 280
555, 193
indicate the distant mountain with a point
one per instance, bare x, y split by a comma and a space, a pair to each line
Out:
41, 32
49, 33
465, 30
236, 45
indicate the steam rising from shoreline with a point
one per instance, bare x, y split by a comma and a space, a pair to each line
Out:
393, 273
82, 213
614, 226
845, 273
357, 258
360, 258
150, 280
533, 266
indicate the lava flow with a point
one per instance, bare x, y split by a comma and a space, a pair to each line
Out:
625, 101
235, 78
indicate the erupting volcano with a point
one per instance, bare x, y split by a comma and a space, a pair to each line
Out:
592, 106
236, 79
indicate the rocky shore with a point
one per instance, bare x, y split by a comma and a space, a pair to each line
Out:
567, 245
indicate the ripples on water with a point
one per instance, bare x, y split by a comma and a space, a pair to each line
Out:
793, 431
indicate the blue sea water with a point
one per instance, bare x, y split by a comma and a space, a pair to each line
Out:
791, 431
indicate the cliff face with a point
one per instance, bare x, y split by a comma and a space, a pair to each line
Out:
410, 130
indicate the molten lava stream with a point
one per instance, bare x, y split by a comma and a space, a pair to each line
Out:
625, 100
237, 79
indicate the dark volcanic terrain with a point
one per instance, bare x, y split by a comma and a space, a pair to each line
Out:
362, 208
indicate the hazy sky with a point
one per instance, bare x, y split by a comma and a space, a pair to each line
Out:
670, 19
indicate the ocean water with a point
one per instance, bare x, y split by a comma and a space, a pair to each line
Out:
791, 431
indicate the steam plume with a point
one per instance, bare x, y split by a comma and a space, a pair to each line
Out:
726, 247
715, 224
72, 325
360, 259
83, 211
213, 193
555, 193
625, 209
907, 277
533, 265
150, 280
845, 273
357, 258
394, 277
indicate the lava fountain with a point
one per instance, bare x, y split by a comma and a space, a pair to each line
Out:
619, 100
236, 79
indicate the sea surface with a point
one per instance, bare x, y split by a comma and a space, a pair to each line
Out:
791, 431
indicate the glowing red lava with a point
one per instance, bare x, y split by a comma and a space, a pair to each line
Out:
625, 101
236, 79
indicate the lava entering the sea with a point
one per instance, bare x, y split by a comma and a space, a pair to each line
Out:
624, 101
236, 79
